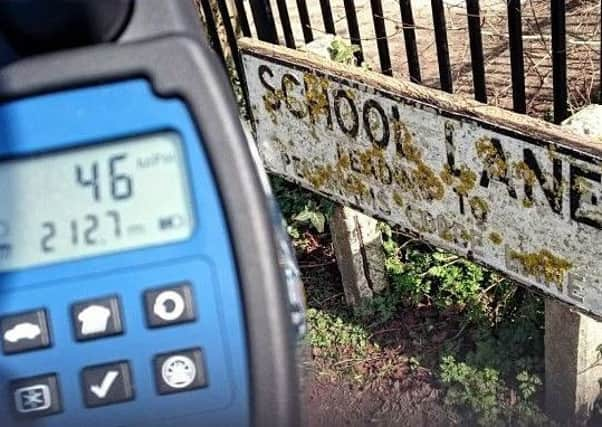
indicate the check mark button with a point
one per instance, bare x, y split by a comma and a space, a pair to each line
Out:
101, 390
107, 384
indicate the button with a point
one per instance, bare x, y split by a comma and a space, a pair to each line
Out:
36, 396
107, 384
96, 318
169, 305
25, 331
180, 371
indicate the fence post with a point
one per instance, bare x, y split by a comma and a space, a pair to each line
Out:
573, 361
356, 238
264, 21
359, 252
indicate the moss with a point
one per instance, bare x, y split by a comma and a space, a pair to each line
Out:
479, 207
272, 102
464, 182
496, 165
524, 172
355, 186
398, 199
320, 176
581, 185
316, 94
367, 157
343, 163
543, 265
495, 238
447, 235
446, 175
467, 180
401, 178
528, 203
465, 235
429, 184
411, 152
400, 128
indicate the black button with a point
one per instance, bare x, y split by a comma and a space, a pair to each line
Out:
169, 305
180, 371
107, 384
36, 396
96, 318
25, 331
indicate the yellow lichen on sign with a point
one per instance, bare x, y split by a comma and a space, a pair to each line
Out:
496, 165
316, 94
543, 265
495, 238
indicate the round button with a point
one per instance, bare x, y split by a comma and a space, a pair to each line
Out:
169, 305
178, 371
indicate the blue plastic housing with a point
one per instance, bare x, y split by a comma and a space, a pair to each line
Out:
104, 113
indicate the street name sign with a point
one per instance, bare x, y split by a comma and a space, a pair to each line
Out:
515, 193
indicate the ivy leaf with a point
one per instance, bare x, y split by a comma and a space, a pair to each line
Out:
318, 220
304, 216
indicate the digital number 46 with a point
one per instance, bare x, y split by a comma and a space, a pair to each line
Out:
121, 184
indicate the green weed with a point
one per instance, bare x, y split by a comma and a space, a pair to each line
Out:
483, 393
302, 209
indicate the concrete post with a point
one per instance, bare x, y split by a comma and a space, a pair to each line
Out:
359, 252
573, 362
573, 365
356, 239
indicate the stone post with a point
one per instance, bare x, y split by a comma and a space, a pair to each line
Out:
359, 252
355, 236
572, 340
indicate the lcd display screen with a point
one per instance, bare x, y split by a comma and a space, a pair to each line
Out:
95, 200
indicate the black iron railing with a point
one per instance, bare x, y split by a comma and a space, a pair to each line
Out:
265, 28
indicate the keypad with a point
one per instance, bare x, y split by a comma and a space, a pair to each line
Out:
112, 382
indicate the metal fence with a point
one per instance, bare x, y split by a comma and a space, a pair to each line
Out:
265, 28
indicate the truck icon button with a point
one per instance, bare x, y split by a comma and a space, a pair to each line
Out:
97, 318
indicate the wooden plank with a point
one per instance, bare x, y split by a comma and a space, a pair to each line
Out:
512, 192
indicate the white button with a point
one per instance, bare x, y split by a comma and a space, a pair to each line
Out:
178, 371
169, 305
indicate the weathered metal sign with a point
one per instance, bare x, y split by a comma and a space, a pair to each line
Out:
511, 192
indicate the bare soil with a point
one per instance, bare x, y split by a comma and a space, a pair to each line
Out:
342, 404
393, 392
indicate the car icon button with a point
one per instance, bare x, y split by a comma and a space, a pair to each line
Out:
25, 331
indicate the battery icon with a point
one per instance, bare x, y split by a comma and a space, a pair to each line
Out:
171, 222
